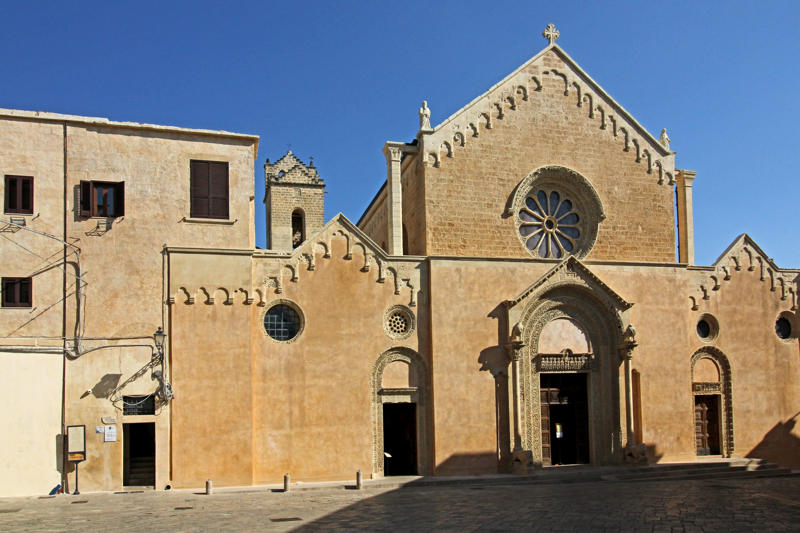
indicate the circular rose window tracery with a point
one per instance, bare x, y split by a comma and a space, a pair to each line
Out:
556, 213
549, 224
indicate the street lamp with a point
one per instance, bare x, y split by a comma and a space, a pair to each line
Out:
159, 337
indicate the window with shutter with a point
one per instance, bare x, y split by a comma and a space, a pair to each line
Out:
17, 292
102, 199
208, 189
19, 195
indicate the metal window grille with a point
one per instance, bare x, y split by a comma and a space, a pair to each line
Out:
139, 405
282, 322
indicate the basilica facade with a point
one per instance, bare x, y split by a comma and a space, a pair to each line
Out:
511, 299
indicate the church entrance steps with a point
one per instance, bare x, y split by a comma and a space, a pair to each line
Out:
708, 469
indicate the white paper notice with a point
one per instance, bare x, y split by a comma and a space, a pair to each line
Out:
111, 434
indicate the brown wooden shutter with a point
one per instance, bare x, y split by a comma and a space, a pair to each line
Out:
86, 199
8, 288
199, 189
11, 194
218, 190
119, 199
26, 193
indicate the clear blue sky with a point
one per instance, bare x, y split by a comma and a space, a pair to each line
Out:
337, 79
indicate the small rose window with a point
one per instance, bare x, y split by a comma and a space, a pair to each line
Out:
549, 224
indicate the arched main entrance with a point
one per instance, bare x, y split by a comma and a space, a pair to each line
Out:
399, 414
567, 344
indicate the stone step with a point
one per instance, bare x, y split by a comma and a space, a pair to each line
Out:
735, 472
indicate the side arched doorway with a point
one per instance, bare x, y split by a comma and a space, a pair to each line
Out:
399, 414
713, 405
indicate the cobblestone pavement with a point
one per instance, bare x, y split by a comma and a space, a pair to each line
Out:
769, 504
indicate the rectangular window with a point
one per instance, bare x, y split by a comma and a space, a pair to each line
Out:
102, 199
209, 189
17, 292
19, 195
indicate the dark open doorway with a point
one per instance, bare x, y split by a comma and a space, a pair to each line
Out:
706, 424
565, 419
400, 439
139, 449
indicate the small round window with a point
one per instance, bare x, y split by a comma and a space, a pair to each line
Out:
707, 328
398, 322
282, 322
783, 328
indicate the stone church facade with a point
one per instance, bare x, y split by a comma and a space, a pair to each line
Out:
510, 300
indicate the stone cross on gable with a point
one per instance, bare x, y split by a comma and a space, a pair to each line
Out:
551, 33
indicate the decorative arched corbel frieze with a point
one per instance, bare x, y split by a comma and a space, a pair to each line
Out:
209, 298
189, 296
499, 107
396, 278
649, 158
624, 131
248, 298
261, 300
589, 100
695, 307
348, 244
487, 120
459, 139
561, 75
614, 129
660, 168
638, 151
538, 87
227, 299
579, 100
447, 148
602, 112
381, 269
715, 280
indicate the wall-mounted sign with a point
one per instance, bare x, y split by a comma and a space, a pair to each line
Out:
76, 444
108, 420
110, 434
99, 429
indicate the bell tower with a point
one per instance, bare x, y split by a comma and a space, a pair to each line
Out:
294, 200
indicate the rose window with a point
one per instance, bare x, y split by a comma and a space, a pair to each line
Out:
549, 224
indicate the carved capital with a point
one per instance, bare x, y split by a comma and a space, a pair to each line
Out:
625, 350
514, 350
392, 153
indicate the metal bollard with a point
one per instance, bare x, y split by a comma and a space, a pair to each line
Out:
358, 480
286, 480
209, 487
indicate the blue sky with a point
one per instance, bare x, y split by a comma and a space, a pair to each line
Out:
337, 79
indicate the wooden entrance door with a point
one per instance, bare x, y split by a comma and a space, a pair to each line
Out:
564, 418
706, 424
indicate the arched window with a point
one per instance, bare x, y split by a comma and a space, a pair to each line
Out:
298, 228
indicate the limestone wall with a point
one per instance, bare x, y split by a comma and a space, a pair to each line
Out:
466, 195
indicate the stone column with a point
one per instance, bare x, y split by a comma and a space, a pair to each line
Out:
394, 198
685, 216
628, 355
521, 459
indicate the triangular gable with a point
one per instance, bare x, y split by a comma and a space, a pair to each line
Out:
525, 83
366, 254
572, 267
744, 255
